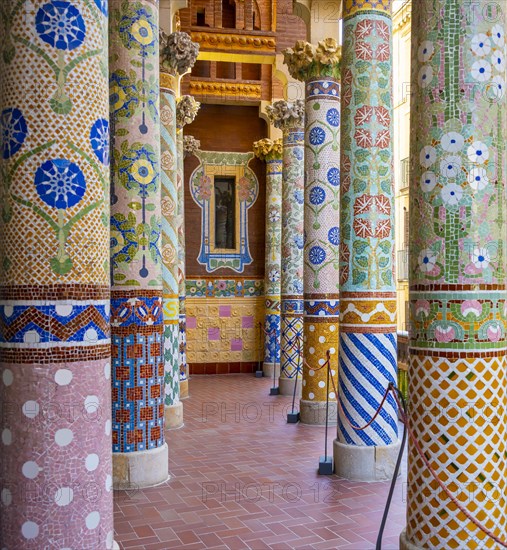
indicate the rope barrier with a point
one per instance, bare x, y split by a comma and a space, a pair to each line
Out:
271, 332
453, 499
404, 419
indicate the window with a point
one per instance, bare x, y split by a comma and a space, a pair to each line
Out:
202, 69
228, 14
226, 69
405, 173
225, 188
256, 16
406, 226
225, 213
200, 17
251, 71
402, 264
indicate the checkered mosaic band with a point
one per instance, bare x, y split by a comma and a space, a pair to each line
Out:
138, 371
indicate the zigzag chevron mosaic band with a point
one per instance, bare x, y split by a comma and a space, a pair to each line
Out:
54, 325
322, 308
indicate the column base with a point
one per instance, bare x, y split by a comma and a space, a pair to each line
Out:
184, 389
314, 412
286, 386
141, 468
405, 544
361, 463
173, 415
268, 368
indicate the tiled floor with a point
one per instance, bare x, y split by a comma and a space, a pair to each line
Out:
241, 477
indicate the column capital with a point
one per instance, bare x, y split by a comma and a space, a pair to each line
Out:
268, 149
190, 145
186, 110
306, 61
284, 114
178, 53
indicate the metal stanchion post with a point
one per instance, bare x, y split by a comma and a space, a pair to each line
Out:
326, 462
275, 390
293, 417
259, 372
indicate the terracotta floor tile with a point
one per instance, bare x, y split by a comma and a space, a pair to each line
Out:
242, 484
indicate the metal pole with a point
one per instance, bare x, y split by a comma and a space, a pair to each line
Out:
325, 465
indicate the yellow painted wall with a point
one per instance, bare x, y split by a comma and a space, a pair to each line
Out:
401, 96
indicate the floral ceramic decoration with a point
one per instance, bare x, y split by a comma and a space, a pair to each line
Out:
202, 190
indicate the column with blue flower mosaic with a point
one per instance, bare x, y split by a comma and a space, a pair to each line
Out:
177, 54
271, 151
186, 111
140, 456
458, 365
319, 69
55, 347
367, 350
289, 117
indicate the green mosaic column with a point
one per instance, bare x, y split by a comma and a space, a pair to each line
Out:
177, 54
320, 73
368, 347
289, 117
140, 456
186, 111
271, 152
458, 369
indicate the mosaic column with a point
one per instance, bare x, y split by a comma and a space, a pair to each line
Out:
457, 371
321, 74
140, 456
271, 152
186, 111
289, 117
55, 347
177, 54
367, 350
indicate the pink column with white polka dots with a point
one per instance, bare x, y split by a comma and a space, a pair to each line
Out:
55, 350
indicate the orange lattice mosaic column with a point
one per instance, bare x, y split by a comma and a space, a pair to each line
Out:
458, 337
